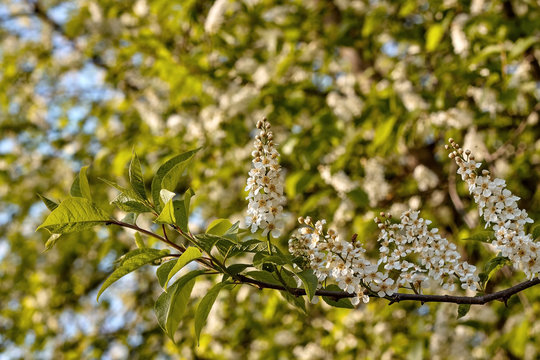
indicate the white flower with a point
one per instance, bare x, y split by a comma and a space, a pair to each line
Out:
384, 287
499, 208
265, 186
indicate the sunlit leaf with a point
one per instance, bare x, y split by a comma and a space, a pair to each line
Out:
191, 253
51, 205
80, 186
74, 214
136, 177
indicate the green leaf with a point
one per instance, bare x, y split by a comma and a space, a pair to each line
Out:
125, 203
201, 314
483, 236
359, 197
187, 200
165, 195
536, 232
80, 187
51, 205
522, 45
237, 268
171, 305
127, 200
208, 241
136, 177
434, 36
167, 214
492, 266
131, 263
384, 132
277, 259
74, 214
296, 301
463, 309
139, 241
310, 282
218, 227
191, 253
130, 218
174, 213
180, 214
169, 174
263, 276
163, 271
51, 241
297, 182
128, 192
341, 303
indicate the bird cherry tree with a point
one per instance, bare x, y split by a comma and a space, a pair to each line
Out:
415, 262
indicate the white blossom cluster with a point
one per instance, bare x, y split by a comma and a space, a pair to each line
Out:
265, 185
425, 178
374, 183
499, 208
340, 181
343, 261
439, 259
400, 244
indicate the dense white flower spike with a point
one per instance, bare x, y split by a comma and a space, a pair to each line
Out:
265, 185
499, 208
374, 183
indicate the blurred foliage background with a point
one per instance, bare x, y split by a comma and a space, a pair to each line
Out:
362, 96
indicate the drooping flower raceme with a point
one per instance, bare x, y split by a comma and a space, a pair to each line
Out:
401, 245
498, 206
340, 260
438, 258
265, 185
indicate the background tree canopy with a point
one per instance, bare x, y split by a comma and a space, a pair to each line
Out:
362, 95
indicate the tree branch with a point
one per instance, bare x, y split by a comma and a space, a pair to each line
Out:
502, 295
